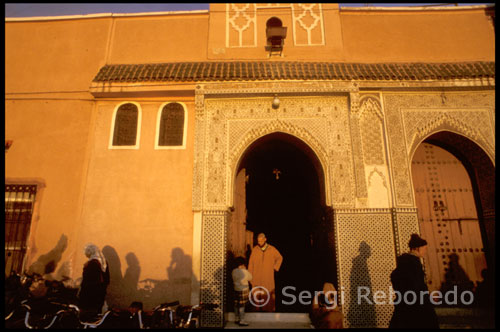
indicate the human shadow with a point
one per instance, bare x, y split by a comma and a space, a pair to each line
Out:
117, 289
46, 264
127, 288
180, 274
456, 277
361, 308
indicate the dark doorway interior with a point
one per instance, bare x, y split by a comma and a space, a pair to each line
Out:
284, 200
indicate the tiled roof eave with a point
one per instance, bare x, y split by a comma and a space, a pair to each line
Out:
281, 70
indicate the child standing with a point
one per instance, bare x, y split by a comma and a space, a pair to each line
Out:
241, 277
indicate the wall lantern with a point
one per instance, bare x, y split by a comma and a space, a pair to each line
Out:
276, 102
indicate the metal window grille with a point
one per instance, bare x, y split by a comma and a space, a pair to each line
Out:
19, 203
172, 125
125, 131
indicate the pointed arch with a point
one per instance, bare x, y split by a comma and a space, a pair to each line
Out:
279, 126
481, 170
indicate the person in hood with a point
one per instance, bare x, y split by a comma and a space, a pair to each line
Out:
95, 280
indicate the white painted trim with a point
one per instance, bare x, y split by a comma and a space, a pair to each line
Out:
138, 136
184, 133
416, 8
101, 15
196, 261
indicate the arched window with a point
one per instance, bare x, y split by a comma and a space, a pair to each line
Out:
171, 126
274, 22
126, 126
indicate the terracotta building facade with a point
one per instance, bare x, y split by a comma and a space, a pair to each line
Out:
171, 139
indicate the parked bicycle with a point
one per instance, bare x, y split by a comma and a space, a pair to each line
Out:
18, 289
163, 316
188, 316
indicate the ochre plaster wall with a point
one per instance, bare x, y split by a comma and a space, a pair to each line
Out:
357, 35
54, 56
50, 140
417, 36
138, 205
172, 38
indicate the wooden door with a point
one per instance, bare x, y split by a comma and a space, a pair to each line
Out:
237, 229
447, 214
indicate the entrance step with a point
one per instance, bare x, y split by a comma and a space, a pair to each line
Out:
465, 318
271, 320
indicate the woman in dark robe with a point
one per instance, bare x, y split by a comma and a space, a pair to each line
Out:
412, 311
95, 280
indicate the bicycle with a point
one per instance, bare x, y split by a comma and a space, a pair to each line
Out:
17, 289
163, 316
189, 315
70, 317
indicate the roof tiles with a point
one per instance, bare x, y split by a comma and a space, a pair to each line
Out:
281, 70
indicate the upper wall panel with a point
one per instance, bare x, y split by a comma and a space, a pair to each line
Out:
168, 38
54, 55
418, 36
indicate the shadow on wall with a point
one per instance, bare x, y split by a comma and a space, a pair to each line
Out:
361, 312
47, 263
123, 290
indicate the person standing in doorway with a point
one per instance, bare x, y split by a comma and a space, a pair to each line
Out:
408, 277
95, 280
265, 259
241, 277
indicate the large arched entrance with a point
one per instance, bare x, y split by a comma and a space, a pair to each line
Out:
454, 185
279, 190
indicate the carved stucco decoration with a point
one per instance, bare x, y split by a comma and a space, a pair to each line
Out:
231, 125
370, 116
475, 124
241, 18
361, 190
309, 18
241, 23
412, 117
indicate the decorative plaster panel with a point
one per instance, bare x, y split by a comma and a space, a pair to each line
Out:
235, 123
469, 114
472, 123
241, 23
308, 28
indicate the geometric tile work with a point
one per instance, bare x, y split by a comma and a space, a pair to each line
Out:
213, 266
405, 223
367, 258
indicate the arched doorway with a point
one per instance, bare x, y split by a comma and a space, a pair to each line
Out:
279, 191
450, 175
